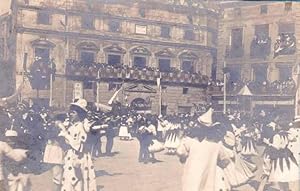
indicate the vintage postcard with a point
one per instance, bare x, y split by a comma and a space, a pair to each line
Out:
149, 95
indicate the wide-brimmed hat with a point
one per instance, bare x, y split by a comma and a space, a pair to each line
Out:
206, 118
11, 133
80, 103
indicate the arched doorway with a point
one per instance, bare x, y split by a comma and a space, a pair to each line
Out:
140, 105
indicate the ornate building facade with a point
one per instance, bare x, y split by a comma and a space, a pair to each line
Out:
258, 46
99, 47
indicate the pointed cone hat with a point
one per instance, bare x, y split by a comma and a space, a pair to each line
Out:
206, 118
245, 91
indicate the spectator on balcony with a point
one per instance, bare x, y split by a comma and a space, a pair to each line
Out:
291, 85
264, 87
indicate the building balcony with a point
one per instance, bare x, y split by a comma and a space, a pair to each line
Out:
234, 51
260, 48
80, 71
276, 88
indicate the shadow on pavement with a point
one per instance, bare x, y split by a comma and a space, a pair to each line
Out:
99, 187
108, 154
156, 161
112, 154
105, 173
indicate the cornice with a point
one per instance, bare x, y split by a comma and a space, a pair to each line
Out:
123, 18
149, 5
112, 38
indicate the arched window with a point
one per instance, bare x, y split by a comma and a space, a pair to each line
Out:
42, 48
114, 55
140, 56
164, 58
42, 68
87, 52
188, 60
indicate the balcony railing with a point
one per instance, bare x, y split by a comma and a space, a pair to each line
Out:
75, 69
275, 88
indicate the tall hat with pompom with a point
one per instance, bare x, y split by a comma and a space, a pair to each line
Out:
206, 118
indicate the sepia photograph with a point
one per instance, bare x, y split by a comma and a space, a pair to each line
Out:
149, 95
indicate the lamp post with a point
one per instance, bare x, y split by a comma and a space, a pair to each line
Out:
51, 84
224, 89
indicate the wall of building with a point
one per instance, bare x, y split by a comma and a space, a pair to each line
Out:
65, 32
249, 18
7, 59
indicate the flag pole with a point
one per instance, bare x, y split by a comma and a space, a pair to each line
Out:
297, 90
24, 70
224, 89
51, 84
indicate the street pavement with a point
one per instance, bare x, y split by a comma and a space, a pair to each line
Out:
123, 172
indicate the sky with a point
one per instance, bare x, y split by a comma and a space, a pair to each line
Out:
4, 6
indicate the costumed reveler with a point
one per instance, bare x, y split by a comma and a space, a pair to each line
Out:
201, 173
248, 140
27, 132
172, 140
124, 131
54, 150
280, 165
238, 171
294, 138
13, 160
78, 169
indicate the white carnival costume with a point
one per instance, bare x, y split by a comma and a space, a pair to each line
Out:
172, 140
238, 171
124, 132
280, 165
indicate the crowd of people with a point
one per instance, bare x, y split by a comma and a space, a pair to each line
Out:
287, 86
170, 70
217, 150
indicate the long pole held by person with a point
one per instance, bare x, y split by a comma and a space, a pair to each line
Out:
224, 89
160, 94
98, 88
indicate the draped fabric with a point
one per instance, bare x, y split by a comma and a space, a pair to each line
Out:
200, 172
285, 44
